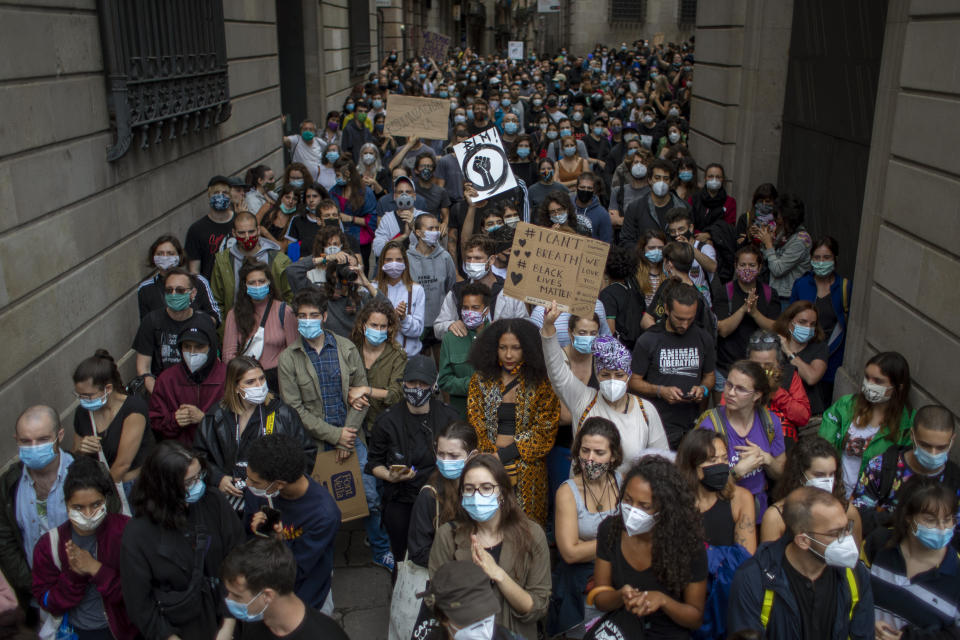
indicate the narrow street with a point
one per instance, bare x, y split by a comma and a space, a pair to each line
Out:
361, 590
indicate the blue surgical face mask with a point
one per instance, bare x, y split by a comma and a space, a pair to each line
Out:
930, 460
451, 469
598, 131
38, 456
332, 156
196, 491
258, 293
480, 508
802, 334
584, 344
654, 255
341, 181
933, 538
565, 132
219, 202
510, 128
296, 183
240, 611
310, 328
94, 404
822, 268
375, 336
686, 176
523, 152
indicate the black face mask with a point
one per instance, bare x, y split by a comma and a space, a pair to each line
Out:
417, 397
584, 196
715, 476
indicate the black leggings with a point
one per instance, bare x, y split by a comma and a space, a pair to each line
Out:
396, 520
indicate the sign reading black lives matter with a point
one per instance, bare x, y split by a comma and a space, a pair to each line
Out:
547, 265
484, 163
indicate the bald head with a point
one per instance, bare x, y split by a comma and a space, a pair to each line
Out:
36, 425
808, 508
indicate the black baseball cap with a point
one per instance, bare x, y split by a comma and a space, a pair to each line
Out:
420, 368
218, 180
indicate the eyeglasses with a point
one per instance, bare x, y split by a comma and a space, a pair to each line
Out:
839, 534
193, 480
178, 290
87, 396
737, 389
486, 490
555, 211
930, 520
764, 340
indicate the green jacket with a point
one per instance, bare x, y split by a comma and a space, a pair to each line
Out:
300, 388
386, 373
836, 422
226, 266
455, 368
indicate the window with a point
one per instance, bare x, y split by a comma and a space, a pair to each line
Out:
628, 10
359, 38
166, 67
687, 13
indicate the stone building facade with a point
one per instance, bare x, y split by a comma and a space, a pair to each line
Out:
75, 228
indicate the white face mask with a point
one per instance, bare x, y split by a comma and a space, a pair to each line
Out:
85, 523
431, 237
368, 158
166, 262
636, 520
843, 554
660, 189
482, 630
638, 170
475, 270
875, 393
613, 389
256, 395
194, 360
824, 484
332, 250
714, 184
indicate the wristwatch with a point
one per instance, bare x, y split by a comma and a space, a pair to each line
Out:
791, 356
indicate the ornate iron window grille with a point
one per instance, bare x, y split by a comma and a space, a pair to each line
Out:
634, 11
166, 66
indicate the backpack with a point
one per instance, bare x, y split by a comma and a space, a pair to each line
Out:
854, 599
729, 287
627, 324
716, 421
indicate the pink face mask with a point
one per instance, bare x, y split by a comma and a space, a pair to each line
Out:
747, 275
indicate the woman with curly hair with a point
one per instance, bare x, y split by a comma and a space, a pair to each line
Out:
812, 462
375, 335
490, 529
512, 406
659, 530
557, 213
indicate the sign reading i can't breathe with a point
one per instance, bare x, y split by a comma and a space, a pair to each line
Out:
484, 163
547, 265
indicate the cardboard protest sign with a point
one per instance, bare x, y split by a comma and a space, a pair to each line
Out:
344, 483
658, 39
548, 6
424, 117
515, 50
547, 265
435, 45
483, 161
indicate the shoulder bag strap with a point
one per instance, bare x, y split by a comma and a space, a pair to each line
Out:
263, 322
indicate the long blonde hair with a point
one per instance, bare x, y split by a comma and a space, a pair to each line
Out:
236, 369
405, 278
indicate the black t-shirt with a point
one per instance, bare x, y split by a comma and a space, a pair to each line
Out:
434, 198
815, 350
304, 231
110, 439
817, 601
826, 316
203, 241
475, 128
734, 346
658, 308
315, 625
157, 337
674, 360
609, 548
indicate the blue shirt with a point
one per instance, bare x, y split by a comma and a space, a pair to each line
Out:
310, 524
326, 363
36, 519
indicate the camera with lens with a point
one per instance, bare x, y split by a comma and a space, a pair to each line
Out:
346, 274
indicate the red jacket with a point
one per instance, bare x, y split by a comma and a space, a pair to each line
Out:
60, 590
791, 406
174, 388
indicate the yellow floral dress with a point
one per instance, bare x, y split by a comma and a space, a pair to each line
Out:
537, 411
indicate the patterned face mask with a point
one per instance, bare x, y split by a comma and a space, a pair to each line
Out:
593, 469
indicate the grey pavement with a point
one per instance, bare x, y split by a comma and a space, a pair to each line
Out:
361, 589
